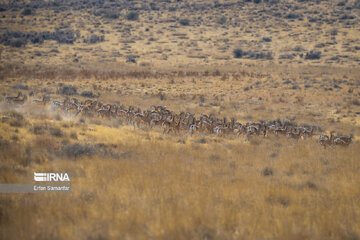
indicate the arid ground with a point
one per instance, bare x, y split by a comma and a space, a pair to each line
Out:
247, 60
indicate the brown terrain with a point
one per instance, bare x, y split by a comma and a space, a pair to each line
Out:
259, 138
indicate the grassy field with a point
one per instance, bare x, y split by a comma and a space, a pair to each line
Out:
235, 59
133, 184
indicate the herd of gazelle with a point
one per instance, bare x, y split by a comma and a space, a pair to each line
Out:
170, 121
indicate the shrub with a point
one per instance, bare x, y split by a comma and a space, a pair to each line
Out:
15, 138
56, 132
38, 130
154, 7
88, 94
16, 123
184, 22
26, 12
16, 119
287, 56
18, 39
298, 48
238, 53
356, 102
266, 39
356, 4
131, 59
21, 86
132, 16
93, 38
54, 50
111, 14
73, 135
67, 37
292, 16
222, 20
268, 171
78, 150
312, 55
67, 90
17, 43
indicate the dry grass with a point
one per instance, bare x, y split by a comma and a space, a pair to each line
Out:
140, 184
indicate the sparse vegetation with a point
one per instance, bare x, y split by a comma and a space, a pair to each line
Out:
26, 12
19, 39
67, 90
132, 16
93, 38
79, 80
222, 20
184, 22
88, 94
77, 150
56, 132
239, 53
21, 86
312, 55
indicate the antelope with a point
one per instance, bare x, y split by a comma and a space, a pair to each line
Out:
121, 113
253, 130
103, 111
343, 140
187, 122
72, 106
292, 134
9, 99
324, 141
19, 99
154, 122
218, 130
240, 128
166, 124
306, 132
84, 109
175, 126
192, 129
281, 130
44, 101
57, 104
138, 119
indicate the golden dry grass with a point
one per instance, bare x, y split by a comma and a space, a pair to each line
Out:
141, 184
150, 185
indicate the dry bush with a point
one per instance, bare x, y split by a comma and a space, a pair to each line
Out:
67, 90
194, 192
178, 186
78, 150
15, 119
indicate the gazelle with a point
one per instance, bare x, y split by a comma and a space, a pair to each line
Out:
44, 101
9, 99
324, 141
19, 99
343, 140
